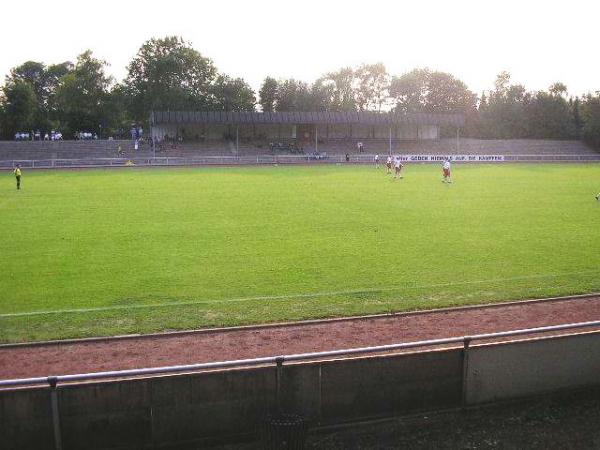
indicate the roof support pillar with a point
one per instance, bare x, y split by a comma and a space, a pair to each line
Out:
316, 137
237, 139
390, 139
457, 139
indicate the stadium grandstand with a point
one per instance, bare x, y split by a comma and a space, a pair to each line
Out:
308, 131
200, 134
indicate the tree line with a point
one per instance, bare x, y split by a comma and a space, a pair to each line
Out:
169, 74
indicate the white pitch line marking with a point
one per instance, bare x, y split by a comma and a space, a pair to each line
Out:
282, 297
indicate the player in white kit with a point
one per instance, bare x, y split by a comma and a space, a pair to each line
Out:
376, 159
446, 171
397, 167
388, 164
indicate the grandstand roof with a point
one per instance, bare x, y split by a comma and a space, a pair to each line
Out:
321, 117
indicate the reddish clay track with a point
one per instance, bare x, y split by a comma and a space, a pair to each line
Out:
221, 345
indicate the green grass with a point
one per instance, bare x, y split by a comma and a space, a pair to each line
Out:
230, 246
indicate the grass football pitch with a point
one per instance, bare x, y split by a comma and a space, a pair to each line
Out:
107, 252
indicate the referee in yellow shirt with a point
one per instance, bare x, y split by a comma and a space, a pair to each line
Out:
17, 172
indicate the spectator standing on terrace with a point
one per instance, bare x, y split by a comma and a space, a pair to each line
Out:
361, 147
17, 173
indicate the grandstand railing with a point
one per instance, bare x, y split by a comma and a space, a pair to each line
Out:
249, 160
465, 341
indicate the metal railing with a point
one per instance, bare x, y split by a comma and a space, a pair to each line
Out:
250, 160
279, 360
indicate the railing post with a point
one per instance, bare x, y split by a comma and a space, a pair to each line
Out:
465, 371
52, 381
279, 361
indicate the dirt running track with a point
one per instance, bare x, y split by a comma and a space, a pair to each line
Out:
95, 355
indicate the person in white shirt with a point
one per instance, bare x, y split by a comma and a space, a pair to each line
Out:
446, 171
398, 167
388, 164
376, 159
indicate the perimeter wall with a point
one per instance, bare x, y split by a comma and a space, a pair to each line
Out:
198, 409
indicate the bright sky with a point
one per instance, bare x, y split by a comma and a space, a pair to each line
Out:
538, 42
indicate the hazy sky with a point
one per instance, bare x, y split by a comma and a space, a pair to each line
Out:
537, 42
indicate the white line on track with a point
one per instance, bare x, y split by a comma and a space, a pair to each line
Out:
284, 297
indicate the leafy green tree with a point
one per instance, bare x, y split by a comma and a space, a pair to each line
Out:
268, 94
505, 114
575, 107
82, 96
19, 107
336, 90
4, 133
234, 94
168, 74
372, 86
422, 90
558, 89
590, 111
409, 91
320, 95
293, 95
44, 80
116, 120
549, 116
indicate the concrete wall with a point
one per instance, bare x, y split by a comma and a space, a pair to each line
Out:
199, 408
518, 369
26, 419
172, 410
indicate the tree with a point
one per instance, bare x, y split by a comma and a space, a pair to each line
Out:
20, 107
4, 134
293, 95
169, 74
549, 116
82, 95
372, 86
320, 95
590, 111
338, 89
502, 82
44, 81
575, 107
409, 91
422, 90
234, 94
504, 116
558, 88
268, 94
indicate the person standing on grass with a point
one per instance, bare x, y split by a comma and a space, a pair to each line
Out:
17, 173
446, 171
388, 164
398, 167
377, 161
